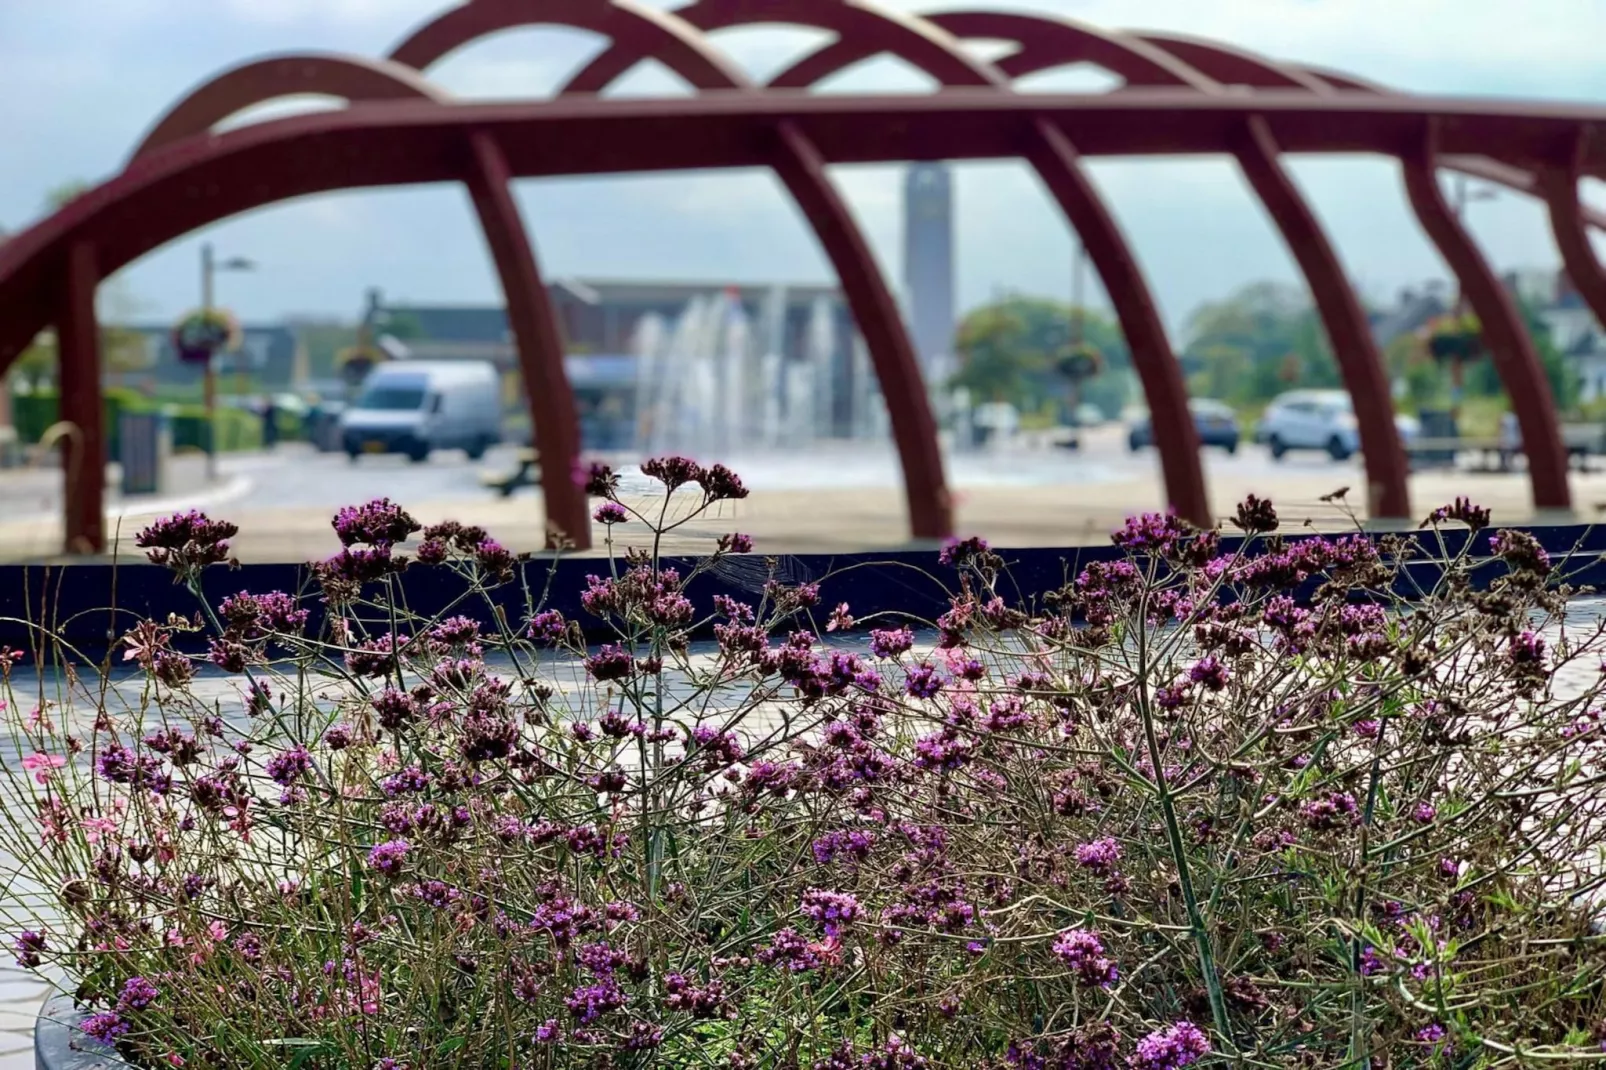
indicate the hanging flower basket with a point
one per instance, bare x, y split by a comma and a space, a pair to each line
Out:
1084, 361
204, 332
355, 362
1455, 338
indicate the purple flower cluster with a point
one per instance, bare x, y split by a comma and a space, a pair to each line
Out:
611, 662
29, 946
388, 857
703, 1002
1100, 856
1333, 811
1083, 952
138, 994
1177, 1045
1473, 516
1210, 673
831, 910
890, 642
957, 553
379, 523
854, 843
1155, 533
187, 542
792, 951
672, 472
922, 680
289, 766
105, 1027
589, 1002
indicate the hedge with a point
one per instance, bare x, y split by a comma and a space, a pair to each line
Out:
32, 415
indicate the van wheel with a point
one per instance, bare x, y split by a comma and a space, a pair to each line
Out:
418, 454
1277, 447
1337, 450
476, 449
352, 454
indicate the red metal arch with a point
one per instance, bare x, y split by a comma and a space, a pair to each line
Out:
866, 30
1560, 186
677, 43
49, 272
1516, 359
1052, 42
548, 393
350, 78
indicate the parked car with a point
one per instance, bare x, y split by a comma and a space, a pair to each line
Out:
1318, 420
1216, 422
1086, 415
413, 407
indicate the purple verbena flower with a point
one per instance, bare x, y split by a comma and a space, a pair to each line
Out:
1100, 856
105, 1027
1177, 1045
138, 993
388, 857
1083, 952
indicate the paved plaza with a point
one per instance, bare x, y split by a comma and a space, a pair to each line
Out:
834, 498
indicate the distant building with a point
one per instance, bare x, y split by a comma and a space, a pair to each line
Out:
1575, 332
928, 267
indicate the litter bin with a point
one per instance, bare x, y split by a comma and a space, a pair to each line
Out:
145, 442
1437, 424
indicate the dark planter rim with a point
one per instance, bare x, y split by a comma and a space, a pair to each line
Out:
58, 1044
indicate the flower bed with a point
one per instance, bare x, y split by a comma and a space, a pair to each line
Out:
1167, 815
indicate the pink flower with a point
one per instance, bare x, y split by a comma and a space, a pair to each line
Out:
41, 765
173, 1058
96, 827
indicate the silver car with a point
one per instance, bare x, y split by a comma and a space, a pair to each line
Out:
1321, 420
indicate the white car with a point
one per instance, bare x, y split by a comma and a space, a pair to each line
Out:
1318, 420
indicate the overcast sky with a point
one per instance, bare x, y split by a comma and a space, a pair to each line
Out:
83, 79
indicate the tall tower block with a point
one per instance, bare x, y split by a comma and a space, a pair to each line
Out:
928, 267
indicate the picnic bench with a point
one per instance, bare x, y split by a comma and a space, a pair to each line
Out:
1581, 441
526, 473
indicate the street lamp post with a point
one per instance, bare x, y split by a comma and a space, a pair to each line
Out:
209, 269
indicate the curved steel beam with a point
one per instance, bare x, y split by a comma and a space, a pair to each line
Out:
204, 180
350, 78
1560, 187
867, 30
1479, 167
538, 344
1232, 66
1048, 42
554, 414
626, 23
913, 40
1516, 360
634, 27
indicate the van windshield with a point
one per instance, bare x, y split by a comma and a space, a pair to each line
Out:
393, 397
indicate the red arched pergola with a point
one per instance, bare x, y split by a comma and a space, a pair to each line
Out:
1187, 96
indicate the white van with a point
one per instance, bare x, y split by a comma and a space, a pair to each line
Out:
414, 407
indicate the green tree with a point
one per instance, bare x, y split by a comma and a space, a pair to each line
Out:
1262, 340
1007, 352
